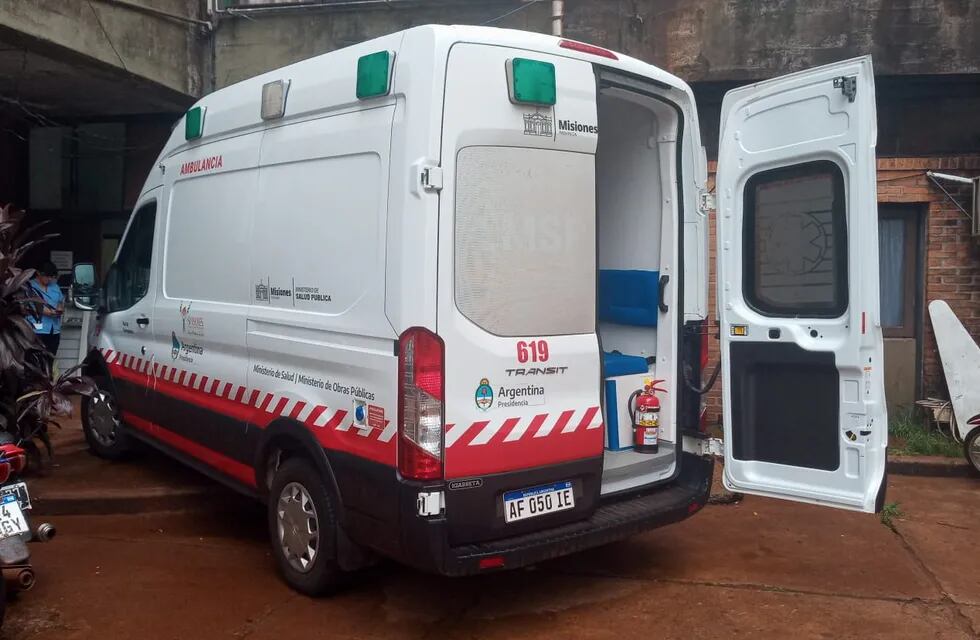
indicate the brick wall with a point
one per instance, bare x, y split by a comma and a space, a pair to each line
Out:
952, 255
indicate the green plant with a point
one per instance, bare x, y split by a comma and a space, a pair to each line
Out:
910, 437
17, 300
29, 399
889, 512
45, 398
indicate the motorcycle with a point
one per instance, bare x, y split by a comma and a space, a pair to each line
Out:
15, 527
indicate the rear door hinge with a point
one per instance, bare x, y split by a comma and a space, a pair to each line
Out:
706, 202
848, 86
701, 445
431, 178
713, 447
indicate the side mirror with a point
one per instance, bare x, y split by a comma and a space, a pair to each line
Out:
84, 290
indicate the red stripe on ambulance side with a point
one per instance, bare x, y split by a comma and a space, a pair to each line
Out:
317, 411
586, 421
521, 443
473, 431
220, 398
241, 472
335, 421
265, 402
505, 430
280, 406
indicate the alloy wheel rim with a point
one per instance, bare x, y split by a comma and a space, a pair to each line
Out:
103, 418
298, 526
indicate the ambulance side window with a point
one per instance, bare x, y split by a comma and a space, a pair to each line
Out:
128, 279
796, 241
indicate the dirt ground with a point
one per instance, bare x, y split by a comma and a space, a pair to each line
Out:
757, 569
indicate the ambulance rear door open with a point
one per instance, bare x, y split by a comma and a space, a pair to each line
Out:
801, 340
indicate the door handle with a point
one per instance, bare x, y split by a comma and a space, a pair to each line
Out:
143, 322
660, 293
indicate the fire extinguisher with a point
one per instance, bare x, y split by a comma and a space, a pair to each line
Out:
644, 408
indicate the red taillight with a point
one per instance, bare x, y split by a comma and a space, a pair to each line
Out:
15, 457
420, 404
492, 562
587, 48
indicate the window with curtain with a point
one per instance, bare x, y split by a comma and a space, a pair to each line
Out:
897, 258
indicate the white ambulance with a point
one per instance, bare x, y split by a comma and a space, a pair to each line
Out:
405, 292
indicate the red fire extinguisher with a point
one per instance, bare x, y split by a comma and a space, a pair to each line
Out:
644, 409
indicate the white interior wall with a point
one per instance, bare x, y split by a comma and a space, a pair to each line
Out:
634, 157
636, 177
627, 185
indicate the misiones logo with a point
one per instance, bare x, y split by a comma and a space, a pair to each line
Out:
573, 127
538, 124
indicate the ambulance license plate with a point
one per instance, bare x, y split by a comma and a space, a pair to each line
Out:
522, 504
12, 521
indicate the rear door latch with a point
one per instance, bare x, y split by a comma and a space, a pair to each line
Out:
848, 86
706, 202
431, 178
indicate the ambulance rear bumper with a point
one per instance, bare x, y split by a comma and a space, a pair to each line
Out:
425, 542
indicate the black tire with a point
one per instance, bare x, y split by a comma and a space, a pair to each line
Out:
972, 441
322, 574
111, 446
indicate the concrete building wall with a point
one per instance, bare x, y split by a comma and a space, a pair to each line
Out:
703, 40
244, 47
135, 38
700, 40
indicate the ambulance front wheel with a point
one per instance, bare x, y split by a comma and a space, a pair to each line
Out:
101, 424
303, 528
971, 449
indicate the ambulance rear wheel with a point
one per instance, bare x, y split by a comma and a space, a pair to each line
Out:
102, 425
971, 448
303, 528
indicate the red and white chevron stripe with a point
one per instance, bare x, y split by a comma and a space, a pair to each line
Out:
274, 405
472, 448
515, 429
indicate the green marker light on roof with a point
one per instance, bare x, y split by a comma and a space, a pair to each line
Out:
531, 82
194, 123
374, 74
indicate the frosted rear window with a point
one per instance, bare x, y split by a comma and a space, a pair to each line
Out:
525, 240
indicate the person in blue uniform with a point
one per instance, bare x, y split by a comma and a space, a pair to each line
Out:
47, 326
